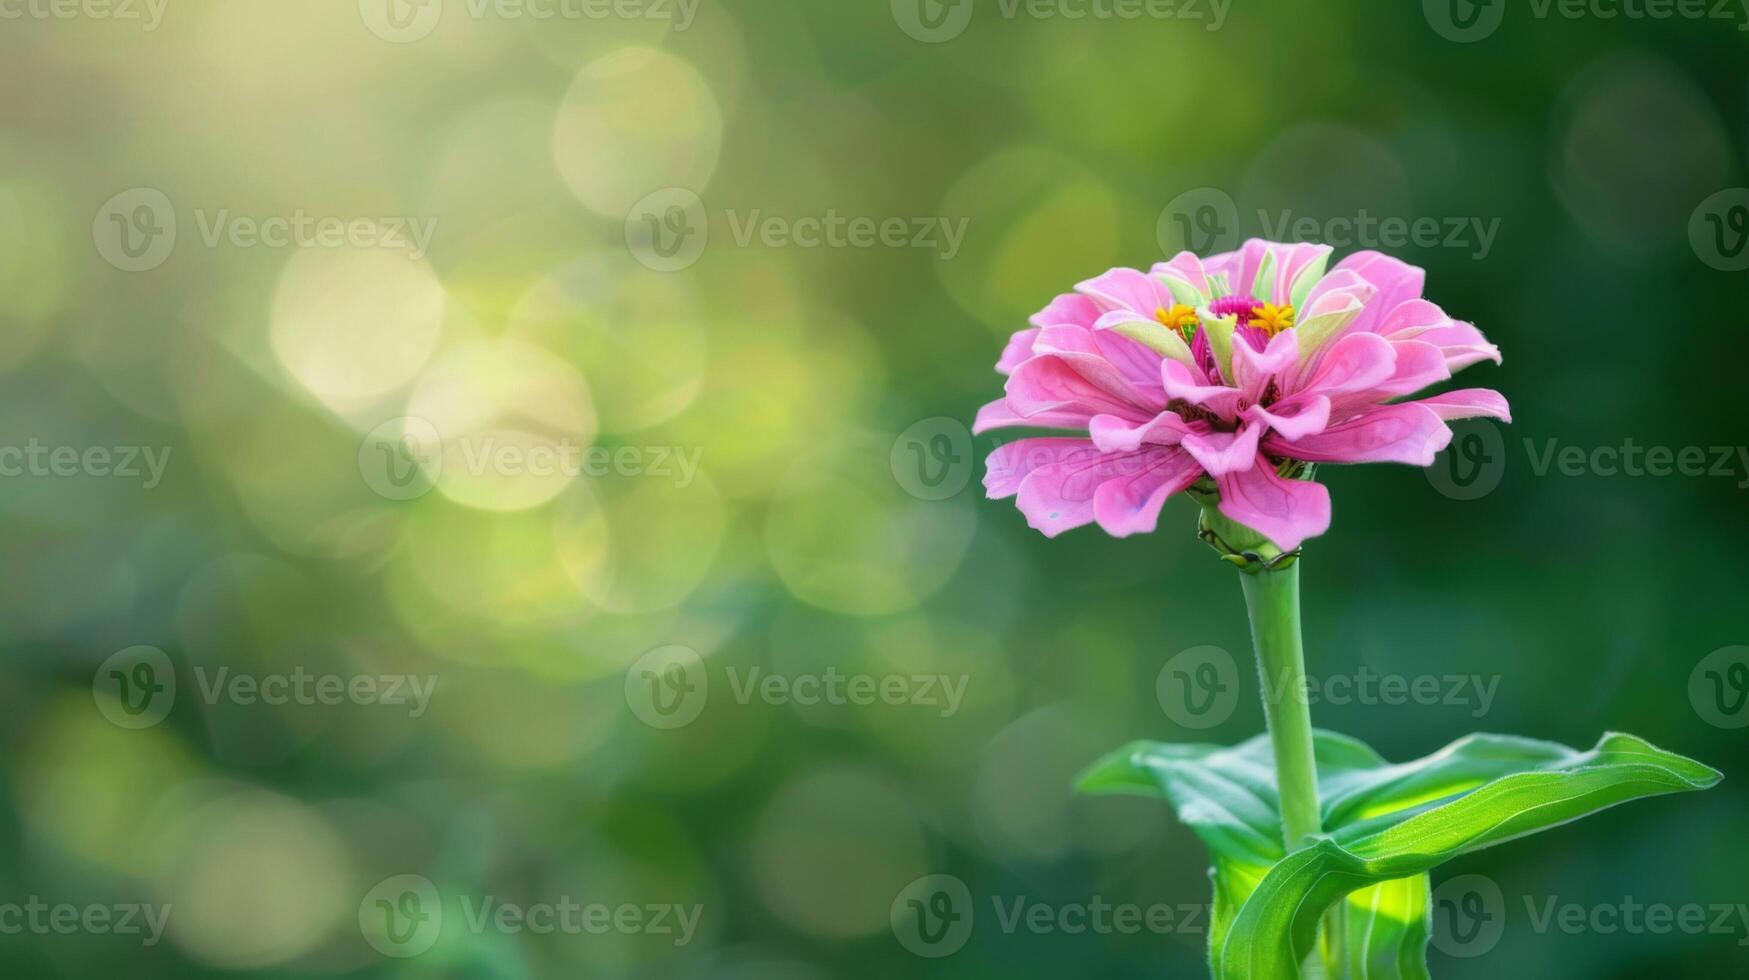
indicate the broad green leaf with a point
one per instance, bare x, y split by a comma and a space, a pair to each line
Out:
1158, 337
1386, 825
1386, 928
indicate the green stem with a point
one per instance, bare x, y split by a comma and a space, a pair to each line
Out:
1273, 598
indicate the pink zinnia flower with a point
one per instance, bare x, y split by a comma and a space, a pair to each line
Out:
1245, 369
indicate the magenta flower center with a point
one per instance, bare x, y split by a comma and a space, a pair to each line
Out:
1240, 306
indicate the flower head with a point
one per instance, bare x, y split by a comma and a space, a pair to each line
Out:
1235, 373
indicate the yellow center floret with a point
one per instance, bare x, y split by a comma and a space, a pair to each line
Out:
1272, 319
1180, 318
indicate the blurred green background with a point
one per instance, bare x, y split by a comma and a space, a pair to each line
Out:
570, 298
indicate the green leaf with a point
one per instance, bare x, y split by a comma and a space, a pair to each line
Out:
1386, 826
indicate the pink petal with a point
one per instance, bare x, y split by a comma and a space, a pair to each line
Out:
1468, 403
1294, 418
1287, 512
1290, 260
1186, 266
1140, 365
1131, 504
1180, 383
1019, 349
1397, 282
1388, 434
1133, 375
1058, 496
1127, 289
998, 415
1356, 362
1225, 452
1417, 366
1013, 462
1070, 308
1050, 384
1253, 370
1461, 343
1240, 267
1336, 291
1114, 435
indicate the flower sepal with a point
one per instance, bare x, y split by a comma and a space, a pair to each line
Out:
1244, 548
